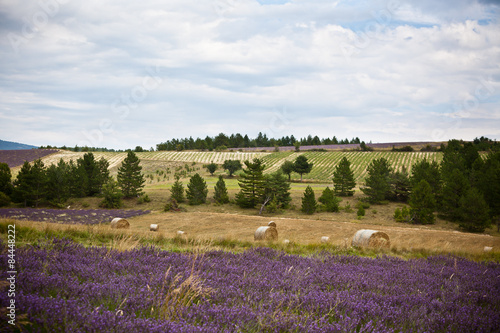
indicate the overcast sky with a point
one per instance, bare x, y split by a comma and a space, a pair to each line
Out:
123, 73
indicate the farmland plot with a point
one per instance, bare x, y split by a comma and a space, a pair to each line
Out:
325, 162
62, 286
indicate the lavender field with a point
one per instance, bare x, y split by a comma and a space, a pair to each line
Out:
65, 287
17, 157
69, 216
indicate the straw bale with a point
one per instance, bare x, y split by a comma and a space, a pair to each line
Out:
325, 239
488, 249
119, 223
153, 227
266, 233
286, 242
371, 238
180, 233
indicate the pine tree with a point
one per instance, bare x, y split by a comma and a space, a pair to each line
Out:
197, 190
473, 211
252, 184
329, 200
428, 171
422, 204
378, 181
5, 179
277, 188
177, 190
30, 184
400, 185
309, 203
343, 179
58, 190
130, 178
455, 186
301, 166
220, 192
95, 172
112, 195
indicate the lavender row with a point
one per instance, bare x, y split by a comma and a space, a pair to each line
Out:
63, 287
17, 157
69, 216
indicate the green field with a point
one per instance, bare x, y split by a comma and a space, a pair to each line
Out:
324, 162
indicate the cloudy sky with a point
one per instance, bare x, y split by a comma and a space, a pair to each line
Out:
122, 73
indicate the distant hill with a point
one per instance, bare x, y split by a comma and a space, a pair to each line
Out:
9, 145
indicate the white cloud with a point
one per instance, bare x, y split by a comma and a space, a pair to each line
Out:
380, 70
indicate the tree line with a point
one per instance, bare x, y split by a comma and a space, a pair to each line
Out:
37, 184
234, 141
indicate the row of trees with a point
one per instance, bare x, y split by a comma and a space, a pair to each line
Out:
55, 184
239, 141
464, 188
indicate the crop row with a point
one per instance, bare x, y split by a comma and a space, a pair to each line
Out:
325, 162
62, 286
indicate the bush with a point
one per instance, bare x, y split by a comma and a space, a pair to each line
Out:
361, 211
330, 203
143, 199
112, 195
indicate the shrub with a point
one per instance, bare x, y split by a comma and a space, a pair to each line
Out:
330, 203
112, 195
143, 199
361, 211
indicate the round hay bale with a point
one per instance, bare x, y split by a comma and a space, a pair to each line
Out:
271, 224
119, 223
488, 248
266, 233
371, 238
153, 227
180, 233
286, 242
325, 239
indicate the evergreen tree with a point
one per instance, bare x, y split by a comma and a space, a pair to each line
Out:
130, 178
277, 188
30, 184
343, 179
378, 181
96, 173
220, 192
473, 211
287, 169
455, 186
197, 190
211, 168
231, 166
112, 195
177, 190
5, 179
77, 180
301, 166
428, 171
252, 184
58, 189
400, 185
309, 203
422, 204
329, 200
